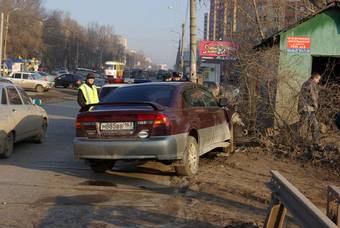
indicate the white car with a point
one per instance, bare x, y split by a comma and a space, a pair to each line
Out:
30, 81
20, 118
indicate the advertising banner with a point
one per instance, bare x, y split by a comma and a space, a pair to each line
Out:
298, 44
218, 50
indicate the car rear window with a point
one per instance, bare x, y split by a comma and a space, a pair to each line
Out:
106, 91
161, 94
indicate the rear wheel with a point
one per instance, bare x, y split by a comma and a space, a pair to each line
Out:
101, 166
39, 89
8, 147
190, 161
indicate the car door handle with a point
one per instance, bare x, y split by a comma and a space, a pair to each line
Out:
14, 110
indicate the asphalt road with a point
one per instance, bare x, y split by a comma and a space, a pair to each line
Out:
41, 185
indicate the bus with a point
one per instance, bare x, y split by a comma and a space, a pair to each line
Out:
114, 69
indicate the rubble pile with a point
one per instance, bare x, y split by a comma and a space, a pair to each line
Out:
329, 104
327, 154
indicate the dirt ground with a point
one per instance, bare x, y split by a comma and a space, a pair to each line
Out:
235, 190
55, 95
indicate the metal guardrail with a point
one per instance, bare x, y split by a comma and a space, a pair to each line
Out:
287, 197
333, 204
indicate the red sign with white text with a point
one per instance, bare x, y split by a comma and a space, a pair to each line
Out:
298, 44
218, 49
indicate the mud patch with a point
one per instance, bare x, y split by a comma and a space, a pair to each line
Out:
242, 225
73, 200
98, 183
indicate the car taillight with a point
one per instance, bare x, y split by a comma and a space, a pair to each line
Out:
84, 120
161, 125
46, 79
117, 81
161, 120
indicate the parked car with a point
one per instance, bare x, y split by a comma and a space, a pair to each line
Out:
68, 81
47, 77
172, 122
30, 81
5, 80
20, 118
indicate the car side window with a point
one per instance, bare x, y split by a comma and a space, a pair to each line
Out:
25, 97
13, 96
208, 99
193, 98
17, 76
25, 76
3, 97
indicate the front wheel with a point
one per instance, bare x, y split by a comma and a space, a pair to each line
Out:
190, 161
101, 166
40, 138
231, 148
8, 147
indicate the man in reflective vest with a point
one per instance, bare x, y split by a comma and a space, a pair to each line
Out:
87, 94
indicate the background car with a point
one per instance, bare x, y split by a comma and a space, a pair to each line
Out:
5, 80
173, 122
99, 80
68, 81
20, 119
30, 81
47, 77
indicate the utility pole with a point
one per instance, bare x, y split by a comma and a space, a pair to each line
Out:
182, 49
6, 35
1, 42
193, 42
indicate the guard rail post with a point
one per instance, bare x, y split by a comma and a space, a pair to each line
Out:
333, 204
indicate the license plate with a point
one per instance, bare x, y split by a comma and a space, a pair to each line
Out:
116, 126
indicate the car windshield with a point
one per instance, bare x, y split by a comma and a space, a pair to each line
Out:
37, 76
161, 94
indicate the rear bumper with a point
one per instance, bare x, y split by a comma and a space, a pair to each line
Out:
155, 148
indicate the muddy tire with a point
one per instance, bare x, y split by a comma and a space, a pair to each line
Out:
190, 162
8, 147
40, 138
39, 89
231, 148
101, 166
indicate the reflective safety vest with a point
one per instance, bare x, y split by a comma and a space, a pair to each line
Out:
90, 94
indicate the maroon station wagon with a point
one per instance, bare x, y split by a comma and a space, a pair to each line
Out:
171, 122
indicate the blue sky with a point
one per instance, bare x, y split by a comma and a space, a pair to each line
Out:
149, 25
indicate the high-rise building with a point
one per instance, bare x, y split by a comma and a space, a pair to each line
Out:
206, 26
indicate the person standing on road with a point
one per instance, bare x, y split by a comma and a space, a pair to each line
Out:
308, 105
87, 93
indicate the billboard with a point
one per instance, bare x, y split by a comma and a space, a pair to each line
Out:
218, 50
298, 44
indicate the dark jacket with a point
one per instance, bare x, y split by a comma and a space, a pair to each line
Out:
308, 97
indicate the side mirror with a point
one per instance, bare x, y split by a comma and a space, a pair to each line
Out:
223, 102
37, 102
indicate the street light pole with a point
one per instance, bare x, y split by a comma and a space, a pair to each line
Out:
1, 41
182, 49
6, 35
193, 42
